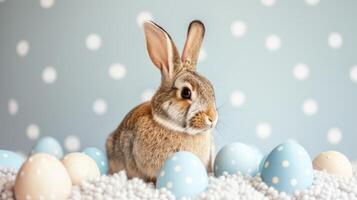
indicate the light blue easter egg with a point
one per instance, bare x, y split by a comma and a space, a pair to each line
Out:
183, 174
288, 167
9, 159
262, 163
237, 157
99, 157
48, 145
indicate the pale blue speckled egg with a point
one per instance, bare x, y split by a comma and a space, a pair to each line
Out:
237, 157
287, 168
48, 145
9, 159
183, 174
99, 157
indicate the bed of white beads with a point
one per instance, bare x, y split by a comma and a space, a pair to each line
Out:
236, 187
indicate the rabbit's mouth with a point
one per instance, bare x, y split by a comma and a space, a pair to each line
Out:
194, 127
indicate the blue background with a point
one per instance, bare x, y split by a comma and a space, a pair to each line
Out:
267, 110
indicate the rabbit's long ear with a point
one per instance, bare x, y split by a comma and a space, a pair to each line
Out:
161, 49
195, 34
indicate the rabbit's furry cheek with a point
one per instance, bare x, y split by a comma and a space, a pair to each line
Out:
199, 121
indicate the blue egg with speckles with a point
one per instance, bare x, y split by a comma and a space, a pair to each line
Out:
99, 157
288, 167
183, 174
9, 159
48, 145
237, 157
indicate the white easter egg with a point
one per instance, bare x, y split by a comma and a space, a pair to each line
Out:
80, 167
288, 168
42, 176
237, 157
334, 163
183, 174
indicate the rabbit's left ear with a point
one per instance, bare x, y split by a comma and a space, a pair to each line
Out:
195, 34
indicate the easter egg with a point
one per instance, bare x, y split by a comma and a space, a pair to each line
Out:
261, 164
99, 157
334, 163
80, 167
42, 176
9, 159
183, 174
288, 168
48, 145
237, 157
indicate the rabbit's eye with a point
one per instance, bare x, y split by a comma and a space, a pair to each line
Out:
186, 93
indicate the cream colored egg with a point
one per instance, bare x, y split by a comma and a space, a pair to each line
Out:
42, 176
80, 167
334, 163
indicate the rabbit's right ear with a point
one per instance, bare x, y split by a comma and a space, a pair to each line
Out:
161, 49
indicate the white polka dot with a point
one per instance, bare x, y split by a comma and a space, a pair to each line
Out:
144, 16
5, 155
202, 55
263, 130
117, 71
169, 185
335, 40
100, 107
310, 107
174, 158
237, 98
97, 153
238, 29
177, 168
268, 3
102, 163
301, 71
93, 41
32, 131
47, 3
353, 74
49, 75
72, 143
147, 95
280, 148
334, 136
273, 42
12, 107
266, 164
22, 48
285, 163
162, 173
275, 180
293, 182
312, 2
188, 180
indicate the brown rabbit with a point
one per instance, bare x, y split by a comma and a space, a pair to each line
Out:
179, 117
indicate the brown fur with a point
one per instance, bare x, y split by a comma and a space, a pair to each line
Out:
141, 144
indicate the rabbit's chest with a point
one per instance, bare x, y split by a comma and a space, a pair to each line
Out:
159, 146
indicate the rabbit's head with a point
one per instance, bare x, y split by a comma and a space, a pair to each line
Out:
185, 100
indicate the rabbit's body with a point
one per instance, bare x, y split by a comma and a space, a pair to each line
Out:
179, 117
142, 153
